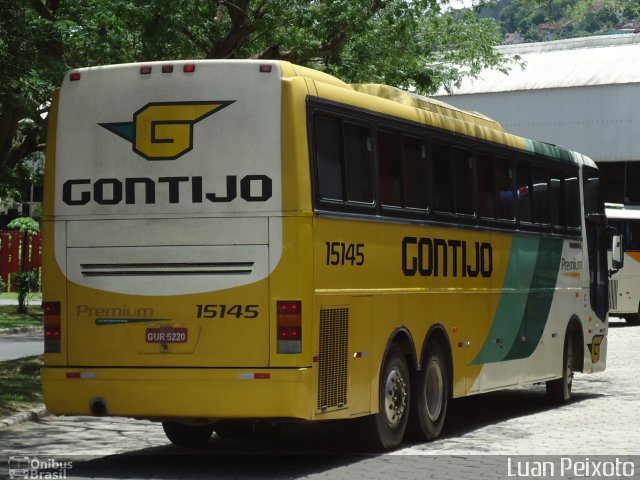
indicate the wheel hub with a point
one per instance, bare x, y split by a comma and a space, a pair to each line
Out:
395, 397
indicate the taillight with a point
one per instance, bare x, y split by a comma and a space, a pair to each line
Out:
289, 322
189, 68
74, 77
167, 68
52, 331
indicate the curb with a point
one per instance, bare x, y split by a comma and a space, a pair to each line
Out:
13, 331
23, 417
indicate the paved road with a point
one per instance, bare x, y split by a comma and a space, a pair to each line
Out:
20, 345
483, 434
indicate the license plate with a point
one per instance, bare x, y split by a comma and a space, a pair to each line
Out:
166, 335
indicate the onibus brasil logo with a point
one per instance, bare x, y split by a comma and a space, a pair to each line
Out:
164, 130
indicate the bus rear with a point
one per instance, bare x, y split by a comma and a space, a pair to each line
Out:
163, 225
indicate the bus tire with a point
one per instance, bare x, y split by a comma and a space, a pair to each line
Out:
429, 395
559, 390
634, 318
390, 423
187, 435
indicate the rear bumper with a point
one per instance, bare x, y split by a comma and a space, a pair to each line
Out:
184, 392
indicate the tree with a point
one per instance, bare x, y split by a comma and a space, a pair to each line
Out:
25, 281
407, 43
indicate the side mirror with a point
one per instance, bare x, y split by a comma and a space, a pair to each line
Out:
617, 253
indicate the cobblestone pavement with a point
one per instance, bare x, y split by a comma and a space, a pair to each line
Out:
486, 436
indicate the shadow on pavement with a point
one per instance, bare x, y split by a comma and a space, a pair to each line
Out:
303, 450
472, 413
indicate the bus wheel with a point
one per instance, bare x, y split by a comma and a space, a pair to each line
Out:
388, 426
634, 318
429, 395
187, 435
559, 390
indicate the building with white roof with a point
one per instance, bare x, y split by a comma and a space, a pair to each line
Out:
582, 94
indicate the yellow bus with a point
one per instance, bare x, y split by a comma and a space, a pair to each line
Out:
231, 243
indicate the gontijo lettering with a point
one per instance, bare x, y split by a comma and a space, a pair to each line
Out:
113, 191
432, 257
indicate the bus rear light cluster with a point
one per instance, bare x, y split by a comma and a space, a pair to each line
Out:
52, 328
168, 68
289, 325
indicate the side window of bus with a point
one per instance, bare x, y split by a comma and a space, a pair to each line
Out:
328, 144
390, 164
358, 163
523, 187
632, 235
572, 201
463, 181
540, 196
504, 185
442, 178
556, 199
415, 173
592, 198
486, 186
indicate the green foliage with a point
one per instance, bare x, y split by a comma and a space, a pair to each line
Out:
21, 389
572, 18
417, 43
10, 319
26, 282
24, 225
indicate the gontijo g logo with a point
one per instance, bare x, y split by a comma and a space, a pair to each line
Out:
164, 130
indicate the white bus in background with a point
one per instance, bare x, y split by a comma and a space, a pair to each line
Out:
624, 291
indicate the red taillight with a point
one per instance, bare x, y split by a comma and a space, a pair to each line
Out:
167, 68
75, 76
145, 69
289, 323
189, 68
264, 68
52, 327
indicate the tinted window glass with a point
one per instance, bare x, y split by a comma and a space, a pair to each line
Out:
572, 201
442, 178
592, 198
359, 170
415, 173
556, 198
329, 158
504, 185
523, 187
486, 186
540, 196
389, 159
463, 181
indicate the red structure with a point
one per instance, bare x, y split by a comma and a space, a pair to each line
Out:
11, 255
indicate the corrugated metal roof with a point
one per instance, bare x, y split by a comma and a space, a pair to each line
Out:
581, 62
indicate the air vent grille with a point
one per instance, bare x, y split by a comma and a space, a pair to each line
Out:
333, 358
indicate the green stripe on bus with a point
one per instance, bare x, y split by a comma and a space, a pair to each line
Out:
536, 312
549, 150
523, 308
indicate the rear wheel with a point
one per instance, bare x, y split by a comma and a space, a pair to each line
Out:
634, 318
187, 435
429, 395
388, 426
559, 390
